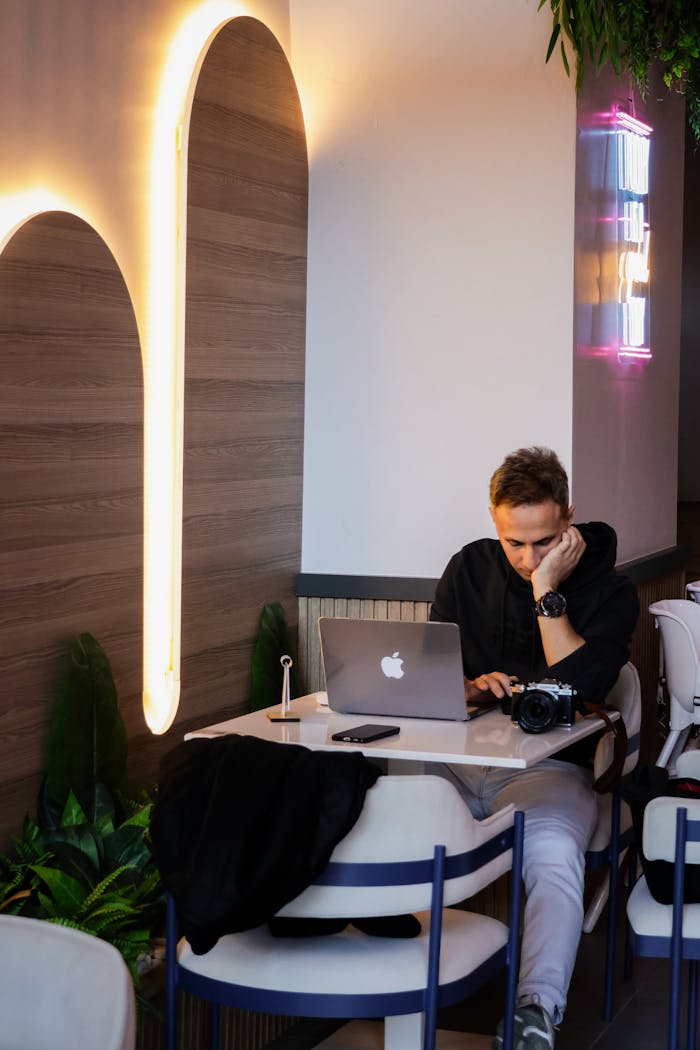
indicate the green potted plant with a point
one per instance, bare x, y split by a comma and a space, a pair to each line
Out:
85, 861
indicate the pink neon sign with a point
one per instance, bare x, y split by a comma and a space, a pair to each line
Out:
633, 140
613, 239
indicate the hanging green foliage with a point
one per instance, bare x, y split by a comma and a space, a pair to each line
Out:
630, 35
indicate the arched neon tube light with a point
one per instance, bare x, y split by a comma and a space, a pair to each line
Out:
164, 361
18, 208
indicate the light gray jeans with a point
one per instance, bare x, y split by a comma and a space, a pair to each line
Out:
560, 816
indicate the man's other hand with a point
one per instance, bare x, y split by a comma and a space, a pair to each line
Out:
496, 682
558, 563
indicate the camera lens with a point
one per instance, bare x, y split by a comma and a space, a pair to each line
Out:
537, 711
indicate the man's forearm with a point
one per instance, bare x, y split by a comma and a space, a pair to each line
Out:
559, 639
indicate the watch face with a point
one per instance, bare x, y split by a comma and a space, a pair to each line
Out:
552, 604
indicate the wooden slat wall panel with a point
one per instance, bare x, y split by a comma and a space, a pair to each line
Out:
240, 1029
244, 364
364, 609
71, 451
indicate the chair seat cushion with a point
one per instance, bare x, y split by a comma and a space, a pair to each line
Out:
650, 919
347, 962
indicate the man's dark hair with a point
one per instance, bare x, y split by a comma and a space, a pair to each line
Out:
530, 475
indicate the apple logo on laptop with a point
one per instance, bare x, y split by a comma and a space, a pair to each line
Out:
392, 666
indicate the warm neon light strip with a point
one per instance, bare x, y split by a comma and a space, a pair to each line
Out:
164, 362
634, 222
18, 208
633, 321
633, 163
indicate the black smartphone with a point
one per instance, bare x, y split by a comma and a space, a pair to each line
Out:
363, 734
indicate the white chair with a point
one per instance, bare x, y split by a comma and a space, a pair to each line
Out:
613, 832
688, 764
692, 589
672, 931
414, 848
678, 620
62, 988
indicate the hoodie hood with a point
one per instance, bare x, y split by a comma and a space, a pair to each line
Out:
598, 558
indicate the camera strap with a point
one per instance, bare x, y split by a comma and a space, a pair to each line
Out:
607, 780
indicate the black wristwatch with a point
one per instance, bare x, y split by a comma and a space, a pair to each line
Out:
552, 604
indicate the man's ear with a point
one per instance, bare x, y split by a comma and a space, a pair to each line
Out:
491, 508
570, 514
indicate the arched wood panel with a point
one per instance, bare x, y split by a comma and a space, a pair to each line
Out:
71, 451
244, 363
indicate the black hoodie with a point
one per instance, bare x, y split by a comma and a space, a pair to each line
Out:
494, 609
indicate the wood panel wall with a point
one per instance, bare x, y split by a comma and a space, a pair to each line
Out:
244, 365
71, 423
71, 411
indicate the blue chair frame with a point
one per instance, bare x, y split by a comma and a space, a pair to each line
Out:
609, 858
677, 947
425, 1000
626, 695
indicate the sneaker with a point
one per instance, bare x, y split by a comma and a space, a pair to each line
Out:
532, 1030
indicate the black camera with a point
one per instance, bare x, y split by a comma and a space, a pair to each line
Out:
539, 706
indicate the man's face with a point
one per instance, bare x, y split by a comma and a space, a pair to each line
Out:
529, 531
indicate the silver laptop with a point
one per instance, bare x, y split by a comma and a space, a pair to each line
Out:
395, 668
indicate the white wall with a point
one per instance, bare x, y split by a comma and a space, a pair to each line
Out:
440, 269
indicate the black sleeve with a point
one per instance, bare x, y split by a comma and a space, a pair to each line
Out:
593, 669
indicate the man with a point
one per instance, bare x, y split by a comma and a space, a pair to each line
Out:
543, 600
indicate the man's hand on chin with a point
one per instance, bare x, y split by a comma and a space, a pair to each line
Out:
559, 563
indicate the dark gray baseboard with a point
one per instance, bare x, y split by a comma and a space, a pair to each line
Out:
422, 589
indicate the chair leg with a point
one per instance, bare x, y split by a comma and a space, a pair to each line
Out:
612, 908
631, 879
677, 930
692, 1003
608, 992
515, 908
433, 975
170, 975
674, 1007
404, 1032
595, 908
675, 741
599, 900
